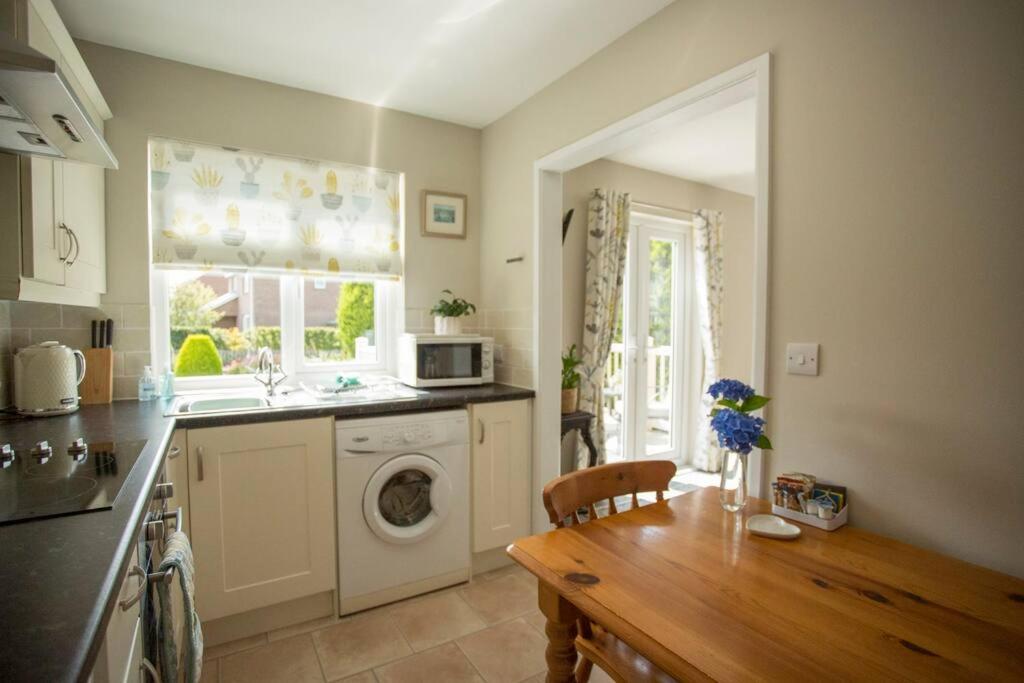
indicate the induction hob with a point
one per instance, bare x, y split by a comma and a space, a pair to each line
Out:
52, 481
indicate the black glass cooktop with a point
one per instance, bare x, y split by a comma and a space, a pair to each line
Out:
65, 484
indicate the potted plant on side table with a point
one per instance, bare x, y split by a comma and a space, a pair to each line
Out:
448, 314
570, 381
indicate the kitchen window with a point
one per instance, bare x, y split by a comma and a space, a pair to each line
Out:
253, 250
210, 325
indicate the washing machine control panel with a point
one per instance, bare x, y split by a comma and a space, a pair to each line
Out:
411, 435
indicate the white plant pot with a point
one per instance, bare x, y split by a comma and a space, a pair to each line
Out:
447, 325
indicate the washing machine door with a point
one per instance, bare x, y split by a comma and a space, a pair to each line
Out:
407, 498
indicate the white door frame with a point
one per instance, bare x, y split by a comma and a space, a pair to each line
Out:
715, 93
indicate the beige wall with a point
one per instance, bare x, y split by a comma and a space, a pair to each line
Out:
665, 190
151, 96
895, 239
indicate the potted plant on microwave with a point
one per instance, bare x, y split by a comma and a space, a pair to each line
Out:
448, 314
570, 380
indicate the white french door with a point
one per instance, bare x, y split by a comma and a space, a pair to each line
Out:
652, 357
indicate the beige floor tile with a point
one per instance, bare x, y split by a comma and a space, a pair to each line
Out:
445, 663
512, 569
234, 646
362, 642
304, 627
506, 653
435, 620
211, 671
502, 598
364, 677
536, 620
293, 660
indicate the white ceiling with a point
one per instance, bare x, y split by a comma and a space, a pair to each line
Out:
466, 61
716, 149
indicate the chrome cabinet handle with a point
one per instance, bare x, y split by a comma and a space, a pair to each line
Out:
78, 247
199, 463
138, 571
482, 430
71, 244
146, 667
174, 452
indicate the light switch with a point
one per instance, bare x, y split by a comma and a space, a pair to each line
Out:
802, 359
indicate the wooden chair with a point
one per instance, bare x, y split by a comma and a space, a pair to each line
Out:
564, 498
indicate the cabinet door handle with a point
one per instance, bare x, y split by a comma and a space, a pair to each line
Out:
71, 244
78, 247
482, 430
138, 571
174, 452
199, 463
146, 667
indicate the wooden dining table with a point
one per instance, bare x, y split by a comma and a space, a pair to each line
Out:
686, 585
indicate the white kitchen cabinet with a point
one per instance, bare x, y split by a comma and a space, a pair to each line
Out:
501, 437
262, 522
120, 656
59, 220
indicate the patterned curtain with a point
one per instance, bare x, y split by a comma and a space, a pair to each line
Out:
709, 281
607, 237
229, 209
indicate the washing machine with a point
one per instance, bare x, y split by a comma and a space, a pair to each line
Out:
403, 506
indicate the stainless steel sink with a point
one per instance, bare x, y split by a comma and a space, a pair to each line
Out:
222, 403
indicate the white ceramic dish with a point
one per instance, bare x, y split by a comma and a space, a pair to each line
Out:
772, 527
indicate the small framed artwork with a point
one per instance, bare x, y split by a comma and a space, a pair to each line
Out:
444, 215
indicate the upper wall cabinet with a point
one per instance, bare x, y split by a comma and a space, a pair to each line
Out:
53, 210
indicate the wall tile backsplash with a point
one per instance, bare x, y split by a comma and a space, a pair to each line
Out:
24, 323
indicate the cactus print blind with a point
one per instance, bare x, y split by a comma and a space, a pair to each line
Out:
228, 209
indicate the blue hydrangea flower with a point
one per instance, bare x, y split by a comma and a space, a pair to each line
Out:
732, 389
737, 431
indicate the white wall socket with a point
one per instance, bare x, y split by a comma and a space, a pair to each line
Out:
801, 359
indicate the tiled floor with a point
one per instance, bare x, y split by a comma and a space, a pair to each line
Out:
486, 631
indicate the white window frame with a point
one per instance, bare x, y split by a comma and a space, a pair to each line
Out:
388, 297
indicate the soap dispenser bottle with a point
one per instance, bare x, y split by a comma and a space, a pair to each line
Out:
167, 384
147, 384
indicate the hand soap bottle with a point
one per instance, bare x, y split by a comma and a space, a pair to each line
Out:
167, 383
147, 385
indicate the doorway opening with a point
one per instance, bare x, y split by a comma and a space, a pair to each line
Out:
650, 402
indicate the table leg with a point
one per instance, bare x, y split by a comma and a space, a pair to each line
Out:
561, 631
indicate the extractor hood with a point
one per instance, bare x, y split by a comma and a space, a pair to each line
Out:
40, 114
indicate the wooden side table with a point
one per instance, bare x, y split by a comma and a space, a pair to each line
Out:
580, 420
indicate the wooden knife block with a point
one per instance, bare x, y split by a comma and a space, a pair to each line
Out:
98, 384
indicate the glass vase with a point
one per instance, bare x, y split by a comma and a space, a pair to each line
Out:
732, 492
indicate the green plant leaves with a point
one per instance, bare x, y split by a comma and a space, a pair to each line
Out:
729, 403
763, 443
753, 403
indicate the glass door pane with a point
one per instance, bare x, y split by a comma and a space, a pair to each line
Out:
658, 429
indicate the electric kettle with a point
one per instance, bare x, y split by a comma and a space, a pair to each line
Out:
46, 379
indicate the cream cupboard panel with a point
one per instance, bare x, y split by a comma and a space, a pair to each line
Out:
120, 655
501, 473
262, 503
44, 245
84, 213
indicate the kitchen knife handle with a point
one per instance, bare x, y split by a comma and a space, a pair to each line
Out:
95, 326
109, 341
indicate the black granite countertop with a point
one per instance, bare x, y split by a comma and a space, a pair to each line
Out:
59, 576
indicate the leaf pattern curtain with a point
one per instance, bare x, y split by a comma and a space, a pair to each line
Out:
607, 237
229, 209
709, 287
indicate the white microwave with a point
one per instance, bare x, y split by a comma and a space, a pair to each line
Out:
431, 360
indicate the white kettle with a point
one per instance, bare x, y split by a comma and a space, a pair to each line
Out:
46, 379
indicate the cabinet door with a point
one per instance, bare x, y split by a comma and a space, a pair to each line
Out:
262, 502
119, 656
501, 473
83, 212
44, 245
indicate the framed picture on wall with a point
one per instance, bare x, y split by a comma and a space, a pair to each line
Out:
444, 215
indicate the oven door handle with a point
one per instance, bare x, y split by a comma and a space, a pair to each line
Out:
127, 603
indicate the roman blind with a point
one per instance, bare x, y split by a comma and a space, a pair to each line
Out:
230, 209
